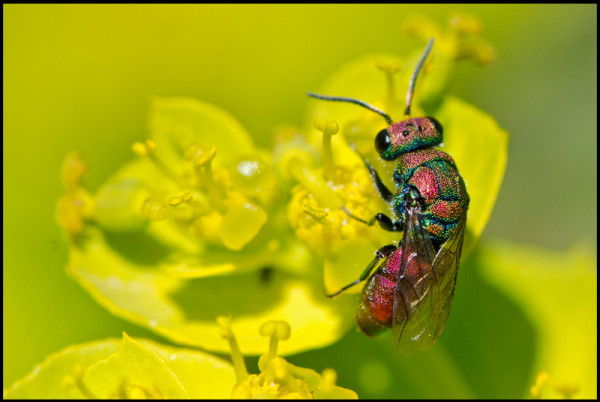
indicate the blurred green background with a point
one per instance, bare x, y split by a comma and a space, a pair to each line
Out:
80, 77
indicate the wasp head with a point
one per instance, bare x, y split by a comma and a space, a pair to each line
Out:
408, 135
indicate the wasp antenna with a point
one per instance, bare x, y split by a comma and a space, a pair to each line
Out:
372, 108
413, 78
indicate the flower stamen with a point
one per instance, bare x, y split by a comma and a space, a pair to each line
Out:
239, 365
565, 390
328, 128
390, 70
202, 158
277, 330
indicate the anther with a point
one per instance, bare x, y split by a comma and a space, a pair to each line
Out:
277, 330
73, 169
317, 214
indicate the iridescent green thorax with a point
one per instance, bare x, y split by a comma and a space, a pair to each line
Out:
442, 191
412, 134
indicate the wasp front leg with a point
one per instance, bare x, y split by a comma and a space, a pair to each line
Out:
385, 222
382, 189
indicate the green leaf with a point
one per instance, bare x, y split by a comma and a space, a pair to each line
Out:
223, 249
479, 148
47, 380
175, 123
127, 368
119, 204
203, 376
137, 368
558, 292
185, 310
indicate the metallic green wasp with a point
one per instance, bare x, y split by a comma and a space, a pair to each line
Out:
410, 286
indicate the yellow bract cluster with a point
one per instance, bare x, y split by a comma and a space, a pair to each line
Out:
77, 204
204, 222
222, 206
320, 222
278, 379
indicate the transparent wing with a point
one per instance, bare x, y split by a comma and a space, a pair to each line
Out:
445, 266
411, 321
425, 285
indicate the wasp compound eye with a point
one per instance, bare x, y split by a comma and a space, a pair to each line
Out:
382, 141
437, 125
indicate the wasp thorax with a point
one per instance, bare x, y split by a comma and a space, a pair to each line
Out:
408, 135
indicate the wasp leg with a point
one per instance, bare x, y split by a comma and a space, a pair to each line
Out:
383, 191
385, 222
379, 254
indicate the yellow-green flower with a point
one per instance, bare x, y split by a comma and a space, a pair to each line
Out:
143, 369
126, 369
194, 227
203, 223
279, 379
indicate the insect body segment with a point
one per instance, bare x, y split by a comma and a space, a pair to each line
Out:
408, 135
442, 193
374, 312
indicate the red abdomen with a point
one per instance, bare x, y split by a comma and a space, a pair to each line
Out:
375, 307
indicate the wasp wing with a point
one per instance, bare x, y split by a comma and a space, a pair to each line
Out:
445, 267
411, 323
425, 286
